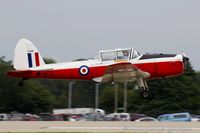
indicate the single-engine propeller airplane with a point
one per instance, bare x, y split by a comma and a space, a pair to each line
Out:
118, 65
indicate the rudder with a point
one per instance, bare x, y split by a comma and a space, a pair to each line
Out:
27, 56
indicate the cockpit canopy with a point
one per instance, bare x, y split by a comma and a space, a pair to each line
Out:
118, 54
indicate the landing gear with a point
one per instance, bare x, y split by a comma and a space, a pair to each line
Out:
146, 93
21, 83
144, 89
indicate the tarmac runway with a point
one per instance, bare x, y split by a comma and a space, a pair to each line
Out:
135, 127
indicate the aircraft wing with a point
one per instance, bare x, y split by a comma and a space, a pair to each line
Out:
121, 72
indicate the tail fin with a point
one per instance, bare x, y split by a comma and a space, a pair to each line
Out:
26, 56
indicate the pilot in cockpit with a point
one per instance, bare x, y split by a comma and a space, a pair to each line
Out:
124, 54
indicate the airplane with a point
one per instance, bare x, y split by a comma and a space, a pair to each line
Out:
114, 66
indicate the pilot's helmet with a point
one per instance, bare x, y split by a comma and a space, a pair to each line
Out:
125, 52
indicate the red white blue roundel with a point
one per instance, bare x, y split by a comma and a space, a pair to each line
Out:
84, 70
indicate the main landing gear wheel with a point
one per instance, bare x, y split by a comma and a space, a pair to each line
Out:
146, 94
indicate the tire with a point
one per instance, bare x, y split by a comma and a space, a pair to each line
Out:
20, 84
146, 94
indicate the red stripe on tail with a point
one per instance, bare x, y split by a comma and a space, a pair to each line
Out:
37, 60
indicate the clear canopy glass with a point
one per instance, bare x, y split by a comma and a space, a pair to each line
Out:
118, 54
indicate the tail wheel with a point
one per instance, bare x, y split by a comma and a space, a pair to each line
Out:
21, 83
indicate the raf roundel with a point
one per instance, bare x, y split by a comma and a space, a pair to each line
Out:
84, 70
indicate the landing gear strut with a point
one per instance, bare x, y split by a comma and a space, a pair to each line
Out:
144, 89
